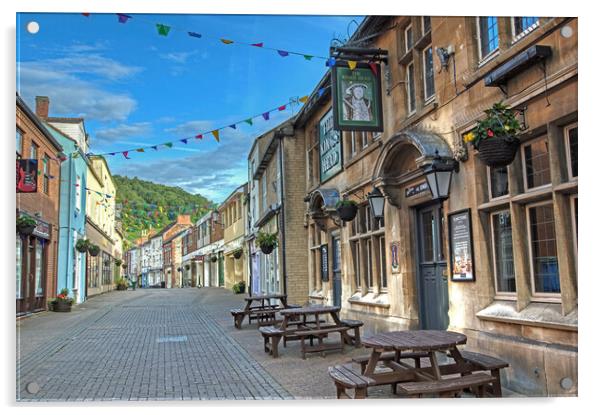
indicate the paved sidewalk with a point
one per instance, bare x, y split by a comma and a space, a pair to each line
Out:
137, 345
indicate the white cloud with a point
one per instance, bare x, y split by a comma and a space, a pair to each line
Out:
123, 131
178, 57
70, 95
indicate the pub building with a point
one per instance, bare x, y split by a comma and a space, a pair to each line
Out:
440, 240
36, 253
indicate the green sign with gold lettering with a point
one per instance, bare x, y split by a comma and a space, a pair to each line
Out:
331, 152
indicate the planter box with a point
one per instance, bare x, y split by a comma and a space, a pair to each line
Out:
60, 307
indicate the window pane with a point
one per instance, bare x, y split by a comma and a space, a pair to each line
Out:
368, 263
504, 258
488, 32
537, 164
429, 74
33, 152
573, 151
19, 143
18, 271
383, 262
427, 236
356, 263
543, 248
523, 23
498, 181
409, 38
426, 24
410, 88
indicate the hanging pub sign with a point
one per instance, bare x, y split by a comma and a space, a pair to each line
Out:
324, 262
356, 97
331, 154
27, 176
460, 246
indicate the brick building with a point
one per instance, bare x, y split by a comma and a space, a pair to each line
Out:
211, 249
192, 261
36, 260
516, 296
276, 192
173, 269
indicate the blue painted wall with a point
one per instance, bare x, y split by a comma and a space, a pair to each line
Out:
72, 221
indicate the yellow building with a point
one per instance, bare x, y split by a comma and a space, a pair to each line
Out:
100, 227
233, 213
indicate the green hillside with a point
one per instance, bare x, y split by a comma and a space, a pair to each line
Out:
144, 205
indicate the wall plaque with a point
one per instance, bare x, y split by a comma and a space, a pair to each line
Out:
324, 262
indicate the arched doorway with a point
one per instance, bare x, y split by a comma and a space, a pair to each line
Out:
418, 223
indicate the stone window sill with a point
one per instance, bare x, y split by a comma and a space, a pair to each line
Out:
535, 314
370, 299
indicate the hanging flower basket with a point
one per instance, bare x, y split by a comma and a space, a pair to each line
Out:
266, 241
94, 250
498, 151
495, 136
124, 266
187, 266
237, 254
214, 258
82, 245
26, 225
347, 209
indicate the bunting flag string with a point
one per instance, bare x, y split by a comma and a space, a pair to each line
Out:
215, 132
164, 30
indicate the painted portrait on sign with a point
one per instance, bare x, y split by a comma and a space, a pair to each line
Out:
356, 106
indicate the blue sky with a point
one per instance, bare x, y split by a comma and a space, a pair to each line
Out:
134, 87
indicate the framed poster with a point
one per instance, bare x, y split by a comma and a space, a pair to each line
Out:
460, 246
356, 97
395, 257
324, 262
27, 176
331, 150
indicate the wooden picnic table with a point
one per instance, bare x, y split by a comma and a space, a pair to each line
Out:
260, 308
429, 341
308, 323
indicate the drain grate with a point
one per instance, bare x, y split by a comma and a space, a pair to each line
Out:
172, 339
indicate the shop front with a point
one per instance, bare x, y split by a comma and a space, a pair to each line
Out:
99, 268
33, 271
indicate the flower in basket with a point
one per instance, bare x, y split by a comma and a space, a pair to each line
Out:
500, 121
63, 297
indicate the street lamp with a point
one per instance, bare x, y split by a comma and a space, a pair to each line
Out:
377, 203
438, 176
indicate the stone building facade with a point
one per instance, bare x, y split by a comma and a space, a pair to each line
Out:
211, 244
233, 212
37, 254
276, 192
520, 302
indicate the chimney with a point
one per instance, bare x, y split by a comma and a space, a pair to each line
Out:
42, 104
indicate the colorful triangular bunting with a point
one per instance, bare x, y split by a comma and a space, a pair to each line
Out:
162, 29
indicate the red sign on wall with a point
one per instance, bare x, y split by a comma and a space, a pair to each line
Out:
27, 176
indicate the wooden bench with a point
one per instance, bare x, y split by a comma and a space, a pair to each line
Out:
355, 325
449, 387
320, 334
490, 364
239, 315
390, 356
347, 378
271, 338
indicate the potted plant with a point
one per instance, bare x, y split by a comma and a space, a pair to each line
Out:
495, 136
237, 253
94, 250
82, 245
26, 225
347, 209
266, 241
118, 262
239, 287
62, 303
124, 266
121, 284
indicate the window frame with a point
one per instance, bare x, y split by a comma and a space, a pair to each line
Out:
365, 139
572, 199
424, 32
19, 147
33, 147
536, 296
501, 295
410, 85
383, 283
526, 187
490, 187
567, 147
46, 174
485, 58
352, 144
518, 36
424, 70
406, 46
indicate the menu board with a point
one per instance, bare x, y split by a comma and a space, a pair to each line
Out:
460, 246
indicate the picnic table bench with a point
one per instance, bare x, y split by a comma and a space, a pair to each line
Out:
260, 309
391, 348
346, 378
